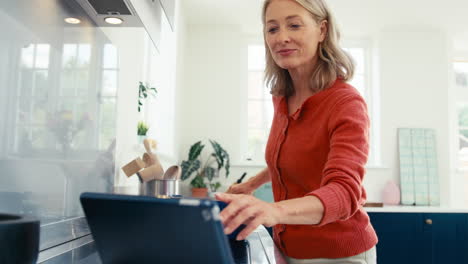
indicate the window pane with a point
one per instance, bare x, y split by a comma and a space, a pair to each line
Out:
84, 55
461, 73
41, 82
359, 83
107, 123
110, 56
42, 56
39, 113
83, 124
69, 56
26, 81
82, 82
256, 88
82, 109
27, 56
23, 141
358, 56
24, 109
67, 83
109, 83
255, 116
39, 137
462, 109
67, 104
256, 144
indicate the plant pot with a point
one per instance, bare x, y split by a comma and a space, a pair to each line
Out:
19, 239
140, 138
200, 192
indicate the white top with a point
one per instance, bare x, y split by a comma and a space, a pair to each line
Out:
416, 209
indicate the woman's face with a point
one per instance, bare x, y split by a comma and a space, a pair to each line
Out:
292, 35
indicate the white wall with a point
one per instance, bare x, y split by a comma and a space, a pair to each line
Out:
415, 86
141, 60
130, 43
211, 96
3, 93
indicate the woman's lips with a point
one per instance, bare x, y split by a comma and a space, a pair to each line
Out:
286, 52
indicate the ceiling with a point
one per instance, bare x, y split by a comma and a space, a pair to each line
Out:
356, 18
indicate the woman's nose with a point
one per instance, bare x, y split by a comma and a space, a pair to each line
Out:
283, 36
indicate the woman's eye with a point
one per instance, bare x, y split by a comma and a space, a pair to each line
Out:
272, 30
295, 26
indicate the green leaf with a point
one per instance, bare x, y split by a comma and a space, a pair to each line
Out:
145, 95
209, 173
188, 167
215, 186
221, 156
195, 150
228, 163
142, 128
218, 154
198, 182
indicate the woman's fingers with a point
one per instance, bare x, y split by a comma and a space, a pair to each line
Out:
236, 202
232, 189
248, 210
240, 218
240, 188
250, 227
225, 197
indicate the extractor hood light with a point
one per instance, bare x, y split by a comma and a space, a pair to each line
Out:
113, 20
72, 20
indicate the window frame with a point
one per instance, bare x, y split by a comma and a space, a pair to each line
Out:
372, 96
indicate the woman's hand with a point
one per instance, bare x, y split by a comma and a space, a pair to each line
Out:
241, 188
251, 185
248, 210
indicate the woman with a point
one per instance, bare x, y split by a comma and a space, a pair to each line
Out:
318, 144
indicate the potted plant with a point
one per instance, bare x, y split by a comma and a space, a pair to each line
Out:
206, 172
142, 128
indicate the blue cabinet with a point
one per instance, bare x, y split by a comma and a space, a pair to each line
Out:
429, 238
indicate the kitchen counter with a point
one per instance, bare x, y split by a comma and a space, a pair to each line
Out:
83, 251
416, 209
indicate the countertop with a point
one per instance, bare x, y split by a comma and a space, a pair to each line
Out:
416, 209
83, 251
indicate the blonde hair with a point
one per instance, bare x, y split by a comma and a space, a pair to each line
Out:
333, 62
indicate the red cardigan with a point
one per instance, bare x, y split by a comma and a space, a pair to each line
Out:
321, 150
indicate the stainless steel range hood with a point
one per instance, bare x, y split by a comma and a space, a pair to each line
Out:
98, 10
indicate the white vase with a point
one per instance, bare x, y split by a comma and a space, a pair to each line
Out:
391, 193
140, 139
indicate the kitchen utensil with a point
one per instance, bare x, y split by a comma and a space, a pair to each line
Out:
173, 173
160, 188
151, 173
133, 167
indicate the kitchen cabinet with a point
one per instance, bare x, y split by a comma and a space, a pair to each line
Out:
169, 7
421, 237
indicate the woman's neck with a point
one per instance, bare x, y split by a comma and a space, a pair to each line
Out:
300, 77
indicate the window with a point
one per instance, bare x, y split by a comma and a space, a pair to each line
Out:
260, 107
73, 104
365, 81
461, 77
108, 96
32, 104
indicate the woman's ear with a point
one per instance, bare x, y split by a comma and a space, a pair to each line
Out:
323, 30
